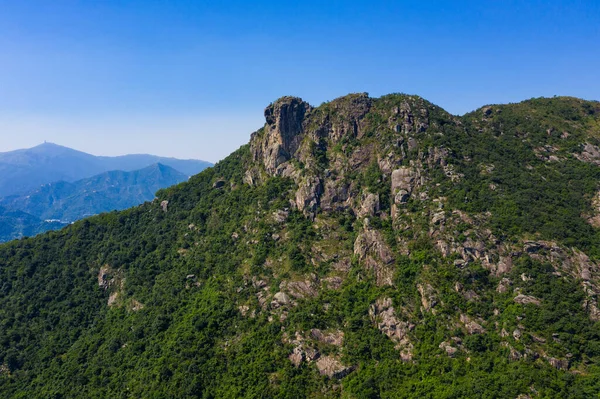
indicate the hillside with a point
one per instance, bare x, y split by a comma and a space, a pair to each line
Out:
114, 190
365, 248
17, 224
27, 169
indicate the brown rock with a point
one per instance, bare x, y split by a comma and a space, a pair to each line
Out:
450, 350
280, 299
525, 299
297, 356
332, 367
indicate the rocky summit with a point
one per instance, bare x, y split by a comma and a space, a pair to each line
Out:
364, 248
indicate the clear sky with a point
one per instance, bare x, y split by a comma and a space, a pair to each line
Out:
191, 78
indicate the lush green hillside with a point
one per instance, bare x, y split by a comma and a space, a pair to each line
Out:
367, 248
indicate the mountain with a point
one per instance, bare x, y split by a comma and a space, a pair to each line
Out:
365, 248
105, 192
17, 224
27, 169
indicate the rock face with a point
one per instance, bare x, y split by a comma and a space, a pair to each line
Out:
389, 166
375, 255
383, 314
308, 194
590, 153
402, 184
282, 134
369, 206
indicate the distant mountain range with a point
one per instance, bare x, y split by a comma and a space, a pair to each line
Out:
17, 224
69, 202
27, 169
40, 188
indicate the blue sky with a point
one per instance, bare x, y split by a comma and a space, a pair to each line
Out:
191, 79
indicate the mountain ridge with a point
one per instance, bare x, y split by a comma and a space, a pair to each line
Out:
368, 247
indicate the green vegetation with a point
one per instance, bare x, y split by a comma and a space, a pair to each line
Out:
181, 303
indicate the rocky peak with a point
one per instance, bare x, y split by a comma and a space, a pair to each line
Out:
282, 134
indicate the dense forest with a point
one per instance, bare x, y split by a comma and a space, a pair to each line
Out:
365, 248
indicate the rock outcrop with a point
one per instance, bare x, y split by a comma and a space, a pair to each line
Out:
332, 367
282, 134
383, 314
375, 255
402, 184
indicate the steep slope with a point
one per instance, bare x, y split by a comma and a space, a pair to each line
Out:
114, 190
365, 248
27, 169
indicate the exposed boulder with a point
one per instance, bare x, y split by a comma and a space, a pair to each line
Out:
471, 325
526, 299
280, 299
503, 285
594, 218
112, 299
409, 118
560, 364
332, 367
302, 289
297, 356
105, 277
504, 265
280, 215
437, 156
517, 334
336, 195
450, 350
164, 205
